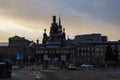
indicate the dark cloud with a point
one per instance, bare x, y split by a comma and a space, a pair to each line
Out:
103, 10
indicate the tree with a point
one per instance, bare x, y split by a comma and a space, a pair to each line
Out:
108, 53
116, 56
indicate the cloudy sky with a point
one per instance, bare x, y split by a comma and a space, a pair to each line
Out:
28, 18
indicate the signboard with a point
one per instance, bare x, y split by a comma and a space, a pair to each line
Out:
46, 57
56, 59
63, 57
18, 56
7, 60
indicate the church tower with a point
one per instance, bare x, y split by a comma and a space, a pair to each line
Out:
54, 27
57, 35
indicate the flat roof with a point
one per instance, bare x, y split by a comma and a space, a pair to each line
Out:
4, 44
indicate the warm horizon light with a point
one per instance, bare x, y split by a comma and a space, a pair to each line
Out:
29, 18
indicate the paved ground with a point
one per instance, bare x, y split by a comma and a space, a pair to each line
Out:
99, 74
22, 75
62, 74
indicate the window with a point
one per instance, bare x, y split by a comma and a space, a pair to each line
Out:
57, 51
81, 48
78, 54
46, 51
88, 54
97, 49
85, 54
88, 48
82, 54
101, 49
92, 54
92, 48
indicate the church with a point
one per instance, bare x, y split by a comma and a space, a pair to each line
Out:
57, 35
54, 49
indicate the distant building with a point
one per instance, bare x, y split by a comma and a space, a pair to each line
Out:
20, 45
91, 48
89, 38
17, 45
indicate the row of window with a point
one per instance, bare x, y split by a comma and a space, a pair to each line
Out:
52, 51
99, 49
89, 54
89, 49
99, 54
86, 54
85, 48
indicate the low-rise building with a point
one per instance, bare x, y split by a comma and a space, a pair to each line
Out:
17, 48
93, 53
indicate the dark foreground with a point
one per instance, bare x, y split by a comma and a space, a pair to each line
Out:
62, 74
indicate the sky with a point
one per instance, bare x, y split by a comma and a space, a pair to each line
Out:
29, 18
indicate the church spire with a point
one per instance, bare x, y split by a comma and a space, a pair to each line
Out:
59, 21
60, 26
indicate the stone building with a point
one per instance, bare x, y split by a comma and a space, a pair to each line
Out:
91, 48
17, 48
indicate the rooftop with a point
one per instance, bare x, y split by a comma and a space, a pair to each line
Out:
3, 43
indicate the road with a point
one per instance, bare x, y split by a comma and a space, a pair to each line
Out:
62, 74
56, 75
79, 74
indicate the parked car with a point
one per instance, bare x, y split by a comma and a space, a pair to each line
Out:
15, 67
86, 66
71, 67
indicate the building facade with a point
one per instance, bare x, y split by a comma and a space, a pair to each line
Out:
91, 48
18, 48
